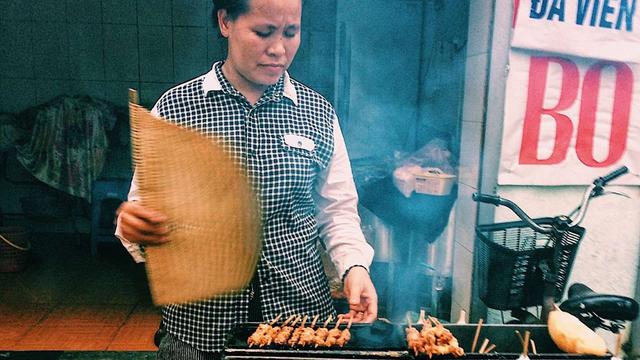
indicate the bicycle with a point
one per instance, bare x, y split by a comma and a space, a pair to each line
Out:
527, 263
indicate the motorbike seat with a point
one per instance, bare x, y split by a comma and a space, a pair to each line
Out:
583, 300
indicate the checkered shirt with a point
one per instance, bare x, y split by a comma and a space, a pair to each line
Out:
291, 275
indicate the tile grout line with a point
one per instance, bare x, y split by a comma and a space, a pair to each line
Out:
115, 334
50, 308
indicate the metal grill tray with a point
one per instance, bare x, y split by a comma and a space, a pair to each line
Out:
382, 340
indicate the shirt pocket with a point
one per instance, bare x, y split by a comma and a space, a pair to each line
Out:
301, 166
302, 153
306, 155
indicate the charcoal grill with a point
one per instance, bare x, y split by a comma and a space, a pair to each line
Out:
382, 340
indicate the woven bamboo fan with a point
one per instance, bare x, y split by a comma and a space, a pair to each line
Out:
213, 215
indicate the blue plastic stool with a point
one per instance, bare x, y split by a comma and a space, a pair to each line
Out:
106, 196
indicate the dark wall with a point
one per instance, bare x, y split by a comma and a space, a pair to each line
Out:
100, 48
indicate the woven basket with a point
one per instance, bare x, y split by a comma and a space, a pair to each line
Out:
14, 249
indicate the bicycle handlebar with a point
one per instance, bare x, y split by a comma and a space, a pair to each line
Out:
499, 201
594, 190
558, 228
602, 181
488, 199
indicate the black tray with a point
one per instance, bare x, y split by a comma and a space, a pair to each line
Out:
382, 340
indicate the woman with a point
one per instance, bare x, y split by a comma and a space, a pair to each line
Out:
287, 137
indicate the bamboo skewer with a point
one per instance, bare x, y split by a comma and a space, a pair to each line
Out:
475, 338
275, 320
327, 321
298, 318
313, 323
525, 347
520, 337
484, 345
533, 347
490, 348
462, 319
338, 321
288, 320
435, 321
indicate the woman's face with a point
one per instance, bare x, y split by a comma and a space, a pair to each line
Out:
262, 42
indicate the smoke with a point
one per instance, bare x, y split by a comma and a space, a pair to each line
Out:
396, 101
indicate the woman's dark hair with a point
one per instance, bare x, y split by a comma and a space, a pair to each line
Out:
234, 8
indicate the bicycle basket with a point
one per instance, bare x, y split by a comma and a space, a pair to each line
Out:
507, 264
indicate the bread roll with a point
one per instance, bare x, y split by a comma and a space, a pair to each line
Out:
572, 336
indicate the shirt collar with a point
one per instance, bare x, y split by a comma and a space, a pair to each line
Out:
212, 83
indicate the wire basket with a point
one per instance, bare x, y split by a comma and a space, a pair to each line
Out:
508, 257
14, 249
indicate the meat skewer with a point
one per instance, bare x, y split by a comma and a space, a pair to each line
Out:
293, 340
322, 332
285, 332
272, 333
414, 340
433, 339
345, 335
307, 334
258, 336
334, 334
427, 333
446, 343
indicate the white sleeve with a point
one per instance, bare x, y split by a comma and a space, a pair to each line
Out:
337, 211
134, 249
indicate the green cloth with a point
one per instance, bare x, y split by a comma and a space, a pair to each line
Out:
68, 143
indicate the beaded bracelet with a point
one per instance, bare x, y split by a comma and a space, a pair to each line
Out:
349, 269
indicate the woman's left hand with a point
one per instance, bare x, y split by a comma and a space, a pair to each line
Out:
363, 300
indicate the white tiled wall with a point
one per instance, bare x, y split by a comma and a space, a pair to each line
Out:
480, 14
471, 143
487, 55
103, 47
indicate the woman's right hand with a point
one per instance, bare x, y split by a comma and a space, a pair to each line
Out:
141, 225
